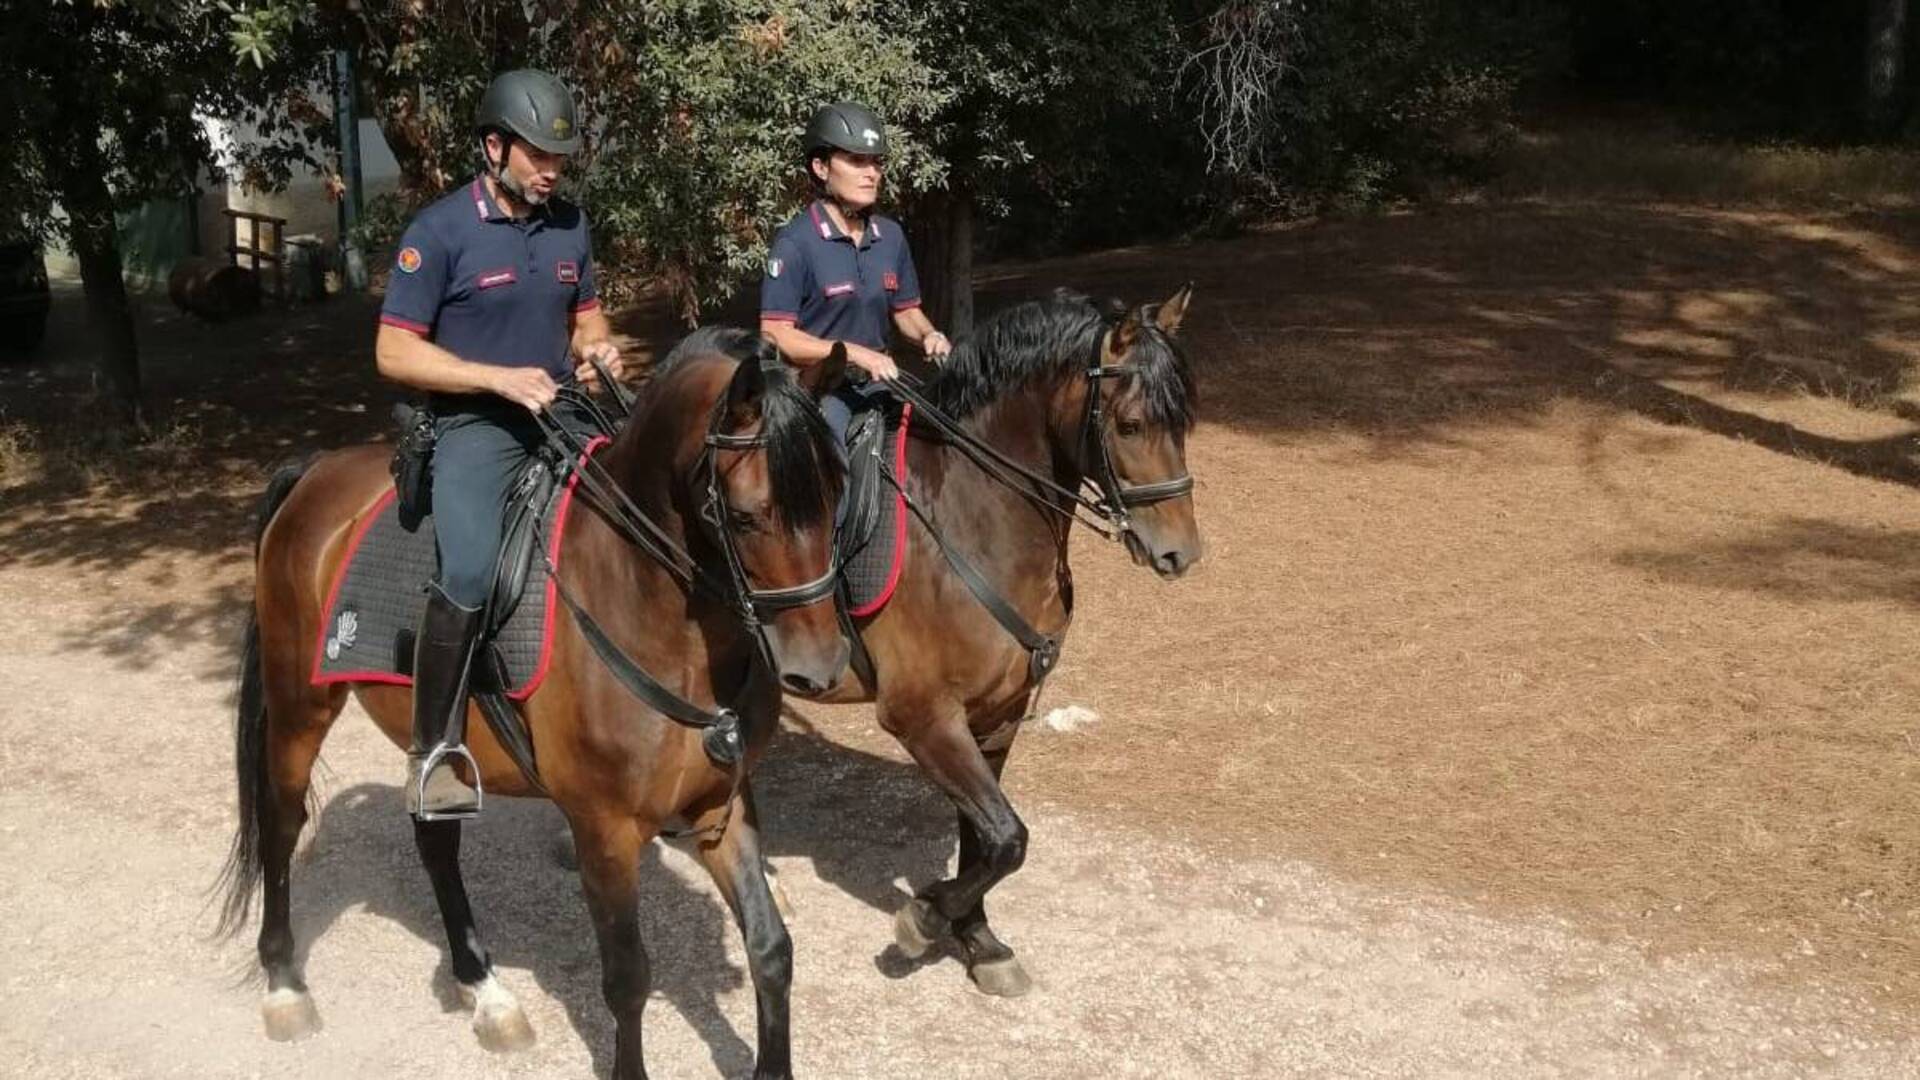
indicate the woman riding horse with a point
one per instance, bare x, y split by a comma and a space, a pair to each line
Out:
838, 271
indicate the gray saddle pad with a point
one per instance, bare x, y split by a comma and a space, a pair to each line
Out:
374, 609
872, 540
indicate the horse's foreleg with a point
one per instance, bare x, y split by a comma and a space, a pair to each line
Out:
989, 960
734, 860
609, 852
498, 1020
993, 845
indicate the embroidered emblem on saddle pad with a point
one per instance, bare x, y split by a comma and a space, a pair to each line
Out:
873, 534
378, 594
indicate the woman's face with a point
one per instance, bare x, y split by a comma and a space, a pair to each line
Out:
852, 180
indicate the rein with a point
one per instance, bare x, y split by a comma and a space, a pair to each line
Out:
1110, 509
1111, 519
722, 736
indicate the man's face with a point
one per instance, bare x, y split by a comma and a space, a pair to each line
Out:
531, 173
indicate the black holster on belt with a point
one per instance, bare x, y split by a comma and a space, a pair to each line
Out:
412, 464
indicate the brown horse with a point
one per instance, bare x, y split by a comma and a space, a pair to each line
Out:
951, 680
727, 454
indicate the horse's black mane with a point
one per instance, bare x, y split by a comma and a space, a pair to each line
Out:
803, 464
1040, 338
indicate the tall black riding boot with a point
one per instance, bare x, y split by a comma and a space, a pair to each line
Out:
442, 659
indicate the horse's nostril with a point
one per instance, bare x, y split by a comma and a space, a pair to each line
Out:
801, 684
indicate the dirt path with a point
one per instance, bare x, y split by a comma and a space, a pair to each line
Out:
1541, 709
1152, 959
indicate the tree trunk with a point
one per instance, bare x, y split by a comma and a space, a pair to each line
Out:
72, 155
96, 244
1885, 64
942, 233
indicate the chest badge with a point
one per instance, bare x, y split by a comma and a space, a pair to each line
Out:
496, 277
890, 281
844, 288
567, 273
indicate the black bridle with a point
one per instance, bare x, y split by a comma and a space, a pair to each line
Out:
1117, 497
721, 728
1111, 516
752, 606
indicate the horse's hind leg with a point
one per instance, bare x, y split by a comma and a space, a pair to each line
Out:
948, 754
498, 1020
735, 861
296, 725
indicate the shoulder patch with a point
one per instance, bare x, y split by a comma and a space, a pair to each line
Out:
409, 260
774, 266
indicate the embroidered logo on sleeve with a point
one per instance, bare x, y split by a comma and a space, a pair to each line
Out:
409, 260
774, 267
567, 273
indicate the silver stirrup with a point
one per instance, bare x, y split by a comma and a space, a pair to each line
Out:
433, 759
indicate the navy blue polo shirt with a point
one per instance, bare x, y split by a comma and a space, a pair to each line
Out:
833, 288
490, 288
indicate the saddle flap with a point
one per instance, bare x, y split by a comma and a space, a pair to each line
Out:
866, 443
526, 508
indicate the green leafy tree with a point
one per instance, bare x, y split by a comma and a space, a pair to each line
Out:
701, 104
105, 99
1037, 92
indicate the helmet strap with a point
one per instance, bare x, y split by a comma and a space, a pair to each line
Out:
498, 171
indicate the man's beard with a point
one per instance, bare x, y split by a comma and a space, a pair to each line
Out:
521, 191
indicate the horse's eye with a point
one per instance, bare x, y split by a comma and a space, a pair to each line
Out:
1128, 428
741, 521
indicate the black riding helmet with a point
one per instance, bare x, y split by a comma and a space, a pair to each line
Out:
844, 126
533, 106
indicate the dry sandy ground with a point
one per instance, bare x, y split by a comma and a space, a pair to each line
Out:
1152, 957
1507, 730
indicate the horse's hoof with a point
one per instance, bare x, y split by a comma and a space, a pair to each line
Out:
916, 927
1001, 978
498, 1021
289, 1014
563, 851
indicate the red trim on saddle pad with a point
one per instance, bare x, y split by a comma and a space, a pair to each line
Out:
546, 630
899, 523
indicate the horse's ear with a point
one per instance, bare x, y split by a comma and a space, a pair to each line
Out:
1121, 338
1170, 315
826, 376
748, 387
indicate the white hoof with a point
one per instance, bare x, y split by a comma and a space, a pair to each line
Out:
289, 1015
498, 1020
908, 928
1001, 978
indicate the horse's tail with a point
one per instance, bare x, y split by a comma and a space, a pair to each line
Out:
240, 877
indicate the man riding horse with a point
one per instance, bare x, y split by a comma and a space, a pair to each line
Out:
491, 303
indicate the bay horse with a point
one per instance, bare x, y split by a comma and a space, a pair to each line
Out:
950, 680
727, 454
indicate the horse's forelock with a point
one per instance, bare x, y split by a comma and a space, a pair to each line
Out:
803, 467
